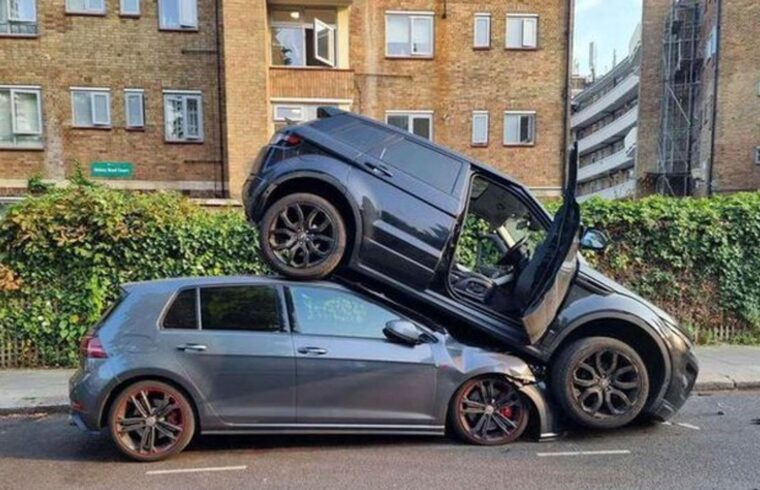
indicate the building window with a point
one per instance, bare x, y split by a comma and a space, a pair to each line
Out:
20, 117
89, 7
408, 35
479, 128
522, 31
287, 114
183, 116
757, 155
178, 14
91, 107
130, 8
18, 17
418, 122
304, 37
481, 35
134, 108
519, 128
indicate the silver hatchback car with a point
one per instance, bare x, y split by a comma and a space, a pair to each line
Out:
260, 355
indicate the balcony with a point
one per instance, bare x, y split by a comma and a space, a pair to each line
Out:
325, 84
614, 130
615, 98
620, 191
616, 161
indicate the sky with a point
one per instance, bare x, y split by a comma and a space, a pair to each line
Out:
610, 24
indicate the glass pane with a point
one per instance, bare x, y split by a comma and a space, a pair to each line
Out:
169, 12
397, 35
421, 127
21, 10
428, 165
479, 128
183, 313
514, 32
291, 113
530, 27
193, 124
75, 5
251, 308
134, 110
27, 112
482, 34
512, 129
6, 135
400, 121
174, 118
324, 44
94, 5
422, 35
101, 113
188, 16
82, 109
325, 311
130, 6
358, 134
526, 129
288, 46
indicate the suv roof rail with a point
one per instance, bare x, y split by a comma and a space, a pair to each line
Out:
328, 111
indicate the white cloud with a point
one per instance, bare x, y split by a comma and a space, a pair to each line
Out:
586, 5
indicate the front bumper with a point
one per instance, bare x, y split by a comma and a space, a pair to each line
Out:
684, 371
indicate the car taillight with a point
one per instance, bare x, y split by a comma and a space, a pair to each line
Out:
92, 348
286, 139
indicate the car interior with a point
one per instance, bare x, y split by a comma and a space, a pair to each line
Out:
498, 238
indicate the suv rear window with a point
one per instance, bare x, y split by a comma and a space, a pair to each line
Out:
426, 164
353, 132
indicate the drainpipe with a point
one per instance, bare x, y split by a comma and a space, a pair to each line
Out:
718, 29
220, 101
569, 23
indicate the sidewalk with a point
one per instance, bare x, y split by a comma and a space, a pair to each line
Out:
27, 390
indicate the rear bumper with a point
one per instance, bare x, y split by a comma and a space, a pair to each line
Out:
86, 398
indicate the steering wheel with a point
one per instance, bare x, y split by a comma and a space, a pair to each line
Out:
514, 254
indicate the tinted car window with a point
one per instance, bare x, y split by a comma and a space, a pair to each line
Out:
182, 313
252, 308
321, 311
428, 165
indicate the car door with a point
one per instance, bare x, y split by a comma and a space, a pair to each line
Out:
237, 353
543, 285
348, 372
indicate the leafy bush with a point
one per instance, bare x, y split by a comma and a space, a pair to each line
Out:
64, 253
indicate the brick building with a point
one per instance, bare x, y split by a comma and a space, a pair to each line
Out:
699, 132
180, 94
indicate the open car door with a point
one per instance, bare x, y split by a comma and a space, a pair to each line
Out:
545, 281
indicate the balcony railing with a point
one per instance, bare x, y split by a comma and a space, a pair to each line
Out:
311, 83
620, 191
616, 161
616, 129
608, 102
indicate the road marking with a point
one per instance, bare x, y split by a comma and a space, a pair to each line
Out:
667, 422
585, 453
688, 426
195, 470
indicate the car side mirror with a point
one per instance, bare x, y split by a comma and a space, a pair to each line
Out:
595, 240
404, 331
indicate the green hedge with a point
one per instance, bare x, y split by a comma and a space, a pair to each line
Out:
64, 253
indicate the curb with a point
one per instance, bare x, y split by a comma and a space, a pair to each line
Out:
34, 409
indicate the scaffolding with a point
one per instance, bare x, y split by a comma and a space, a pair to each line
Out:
679, 118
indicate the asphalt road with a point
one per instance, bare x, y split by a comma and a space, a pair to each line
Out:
713, 443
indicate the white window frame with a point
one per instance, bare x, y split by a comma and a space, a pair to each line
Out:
184, 23
481, 17
88, 9
411, 17
524, 18
23, 89
93, 93
185, 95
320, 26
534, 130
126, 13
482, 115
134, 92
31, 20
411, 116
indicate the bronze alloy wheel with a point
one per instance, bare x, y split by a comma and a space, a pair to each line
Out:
151, 420
489, 411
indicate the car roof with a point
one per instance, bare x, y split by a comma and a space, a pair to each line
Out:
197, 281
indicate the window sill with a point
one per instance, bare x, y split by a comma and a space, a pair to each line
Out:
427, 57
479, 145
507, 48
21, 148
130, 16
518, 145
19, 36
134, 129
481, 48
178, 142
87, 14
179, 29
95, 128
308, 68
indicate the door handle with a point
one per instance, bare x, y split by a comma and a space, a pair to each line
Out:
312, 351
192, 347
378, 169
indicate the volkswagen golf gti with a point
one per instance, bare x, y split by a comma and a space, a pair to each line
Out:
387, 211
250, 355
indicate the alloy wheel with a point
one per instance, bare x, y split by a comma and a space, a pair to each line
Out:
492, 411
302, 235
150, 421
606, 383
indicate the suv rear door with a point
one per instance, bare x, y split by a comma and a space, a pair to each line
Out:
545, 281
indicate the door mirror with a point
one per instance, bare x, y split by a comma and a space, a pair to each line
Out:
594, 239
403, 331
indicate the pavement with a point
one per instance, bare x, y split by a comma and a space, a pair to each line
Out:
723, 367
712, 442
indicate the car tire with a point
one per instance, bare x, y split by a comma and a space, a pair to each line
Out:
298, 229
499, 418
600, 382
158, 408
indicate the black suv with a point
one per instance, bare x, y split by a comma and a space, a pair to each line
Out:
399, 216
